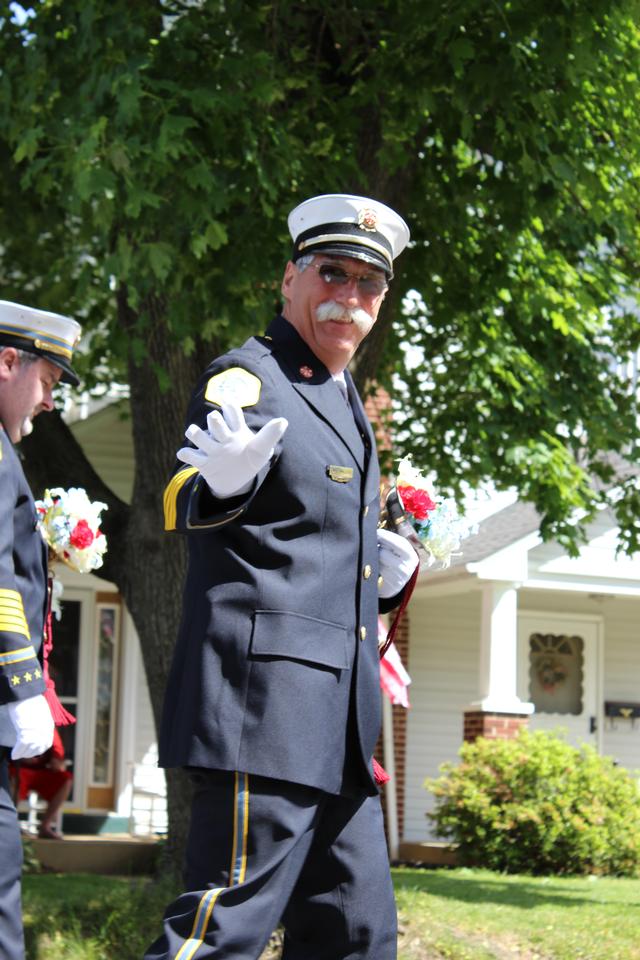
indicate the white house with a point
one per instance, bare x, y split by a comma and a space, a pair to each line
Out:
516, 631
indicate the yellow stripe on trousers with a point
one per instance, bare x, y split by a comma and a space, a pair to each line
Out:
237, 870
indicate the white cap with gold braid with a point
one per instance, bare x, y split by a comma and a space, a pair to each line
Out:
351, 226
46, 334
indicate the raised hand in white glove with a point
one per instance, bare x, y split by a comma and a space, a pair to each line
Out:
33, 724
396, 562
228, 454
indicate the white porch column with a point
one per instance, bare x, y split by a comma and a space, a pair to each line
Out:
498, 651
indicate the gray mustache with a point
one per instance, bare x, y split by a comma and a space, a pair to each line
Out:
330, 310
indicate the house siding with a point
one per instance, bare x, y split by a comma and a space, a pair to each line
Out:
443, 665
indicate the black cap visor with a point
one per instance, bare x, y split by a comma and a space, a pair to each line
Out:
352, 251
346, 240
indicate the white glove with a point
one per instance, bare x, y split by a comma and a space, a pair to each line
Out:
396, 562
228, 454
34, 726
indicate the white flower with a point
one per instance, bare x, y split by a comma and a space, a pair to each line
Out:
410, 476
70, 525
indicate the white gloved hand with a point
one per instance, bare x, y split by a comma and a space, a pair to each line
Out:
33, 724
228, 454
396, 561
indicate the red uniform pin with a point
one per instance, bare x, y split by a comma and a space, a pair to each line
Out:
306, 372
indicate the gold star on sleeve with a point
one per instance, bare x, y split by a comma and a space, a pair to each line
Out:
28, 677
15, 680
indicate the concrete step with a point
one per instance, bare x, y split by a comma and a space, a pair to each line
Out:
433, 853
117, 854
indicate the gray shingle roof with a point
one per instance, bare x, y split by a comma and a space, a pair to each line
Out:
499, 530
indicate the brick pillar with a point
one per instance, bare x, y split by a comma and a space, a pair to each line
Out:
401, 641
493, 726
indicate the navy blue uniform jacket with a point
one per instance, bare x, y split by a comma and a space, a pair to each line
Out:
23, 589
276, 668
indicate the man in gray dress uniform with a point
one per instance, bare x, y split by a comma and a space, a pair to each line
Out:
273, 699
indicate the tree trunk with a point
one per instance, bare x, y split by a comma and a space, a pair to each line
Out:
154, 563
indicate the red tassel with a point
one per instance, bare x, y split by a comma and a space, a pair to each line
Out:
380, 775
61, 716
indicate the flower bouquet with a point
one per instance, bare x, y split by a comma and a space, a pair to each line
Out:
432, 525
70, 525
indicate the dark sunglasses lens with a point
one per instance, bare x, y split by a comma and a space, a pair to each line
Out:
333, 274
372, 286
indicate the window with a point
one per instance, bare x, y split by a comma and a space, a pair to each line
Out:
108, 628
556, 673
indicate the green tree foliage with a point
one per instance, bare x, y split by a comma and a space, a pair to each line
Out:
149, 154
535, 804
152, 151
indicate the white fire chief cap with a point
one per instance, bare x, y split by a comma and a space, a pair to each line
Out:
351, 226
46, 334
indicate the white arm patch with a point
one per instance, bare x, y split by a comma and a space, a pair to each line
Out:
234, 384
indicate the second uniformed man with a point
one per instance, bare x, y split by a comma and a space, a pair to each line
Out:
36, 348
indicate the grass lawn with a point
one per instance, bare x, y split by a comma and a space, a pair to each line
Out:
478, 915
444, 915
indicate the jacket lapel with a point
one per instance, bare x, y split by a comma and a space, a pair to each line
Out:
311, 379
372, 477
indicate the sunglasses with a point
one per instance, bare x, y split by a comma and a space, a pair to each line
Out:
368, 284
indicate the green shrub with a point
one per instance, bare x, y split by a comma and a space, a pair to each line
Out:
535, 804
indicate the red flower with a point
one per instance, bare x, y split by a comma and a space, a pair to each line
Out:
417, 502
81, 535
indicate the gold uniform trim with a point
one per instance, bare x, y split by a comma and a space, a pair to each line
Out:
12, 617
53, 348
17, 656
41, 339
171, 492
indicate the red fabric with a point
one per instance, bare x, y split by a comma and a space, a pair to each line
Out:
61, 716
46, 783
34, 773
380, 775
394, 679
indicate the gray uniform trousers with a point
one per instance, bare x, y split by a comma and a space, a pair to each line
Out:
262, 851
11, 936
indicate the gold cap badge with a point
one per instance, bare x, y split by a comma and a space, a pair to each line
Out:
367, 219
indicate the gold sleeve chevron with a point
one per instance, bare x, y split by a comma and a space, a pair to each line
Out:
171, 492
12, 618
17, 656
